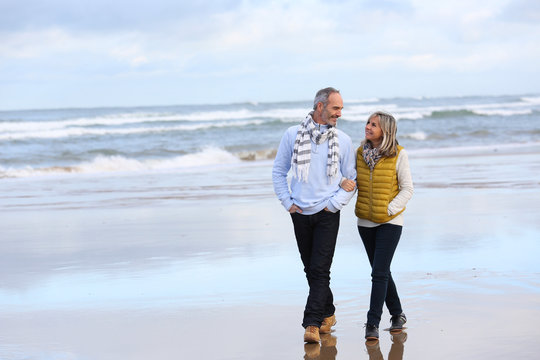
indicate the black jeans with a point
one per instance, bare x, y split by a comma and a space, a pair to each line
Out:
316, 237
380, 243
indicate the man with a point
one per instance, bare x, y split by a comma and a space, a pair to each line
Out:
321, 156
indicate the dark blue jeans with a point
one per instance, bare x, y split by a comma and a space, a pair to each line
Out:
380, 243
316, 237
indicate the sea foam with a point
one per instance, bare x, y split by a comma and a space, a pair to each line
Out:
44, 132
503, 112
532, 100
210, 156
418, 135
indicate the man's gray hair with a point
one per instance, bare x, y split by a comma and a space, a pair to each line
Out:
322, 96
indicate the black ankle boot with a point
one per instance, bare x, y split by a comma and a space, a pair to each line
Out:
372, 332
397, 322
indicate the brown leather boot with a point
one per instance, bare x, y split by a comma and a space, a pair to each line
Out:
312, 335
326, 326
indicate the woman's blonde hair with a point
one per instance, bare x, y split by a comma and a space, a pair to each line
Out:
388, 123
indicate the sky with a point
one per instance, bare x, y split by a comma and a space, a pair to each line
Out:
73, 53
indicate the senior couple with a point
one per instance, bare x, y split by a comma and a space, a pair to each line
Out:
326, 172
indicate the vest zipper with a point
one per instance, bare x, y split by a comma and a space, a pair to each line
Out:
370, 194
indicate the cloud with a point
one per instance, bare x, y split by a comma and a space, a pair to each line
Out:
104, 15
520, 11
233, 29
225, 40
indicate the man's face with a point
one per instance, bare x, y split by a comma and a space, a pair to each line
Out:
332, 111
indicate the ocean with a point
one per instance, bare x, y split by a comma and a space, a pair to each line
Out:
103, 155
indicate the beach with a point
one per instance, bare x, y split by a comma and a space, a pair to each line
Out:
154, 232
107, 274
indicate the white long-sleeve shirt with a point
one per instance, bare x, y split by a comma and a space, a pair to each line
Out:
406, 189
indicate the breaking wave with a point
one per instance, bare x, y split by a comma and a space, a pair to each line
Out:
116, 163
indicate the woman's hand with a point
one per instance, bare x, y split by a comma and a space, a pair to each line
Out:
348, 185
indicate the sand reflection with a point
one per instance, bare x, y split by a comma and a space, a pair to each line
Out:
326, 350
396, 350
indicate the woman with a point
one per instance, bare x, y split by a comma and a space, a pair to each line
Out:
384, 187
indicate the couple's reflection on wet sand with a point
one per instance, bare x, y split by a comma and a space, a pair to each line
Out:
396, 351
325, 351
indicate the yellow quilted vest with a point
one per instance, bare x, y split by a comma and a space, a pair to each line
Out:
376, 188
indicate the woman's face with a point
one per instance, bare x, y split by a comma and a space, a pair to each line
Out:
373, 131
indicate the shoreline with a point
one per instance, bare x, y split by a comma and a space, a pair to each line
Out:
214, 159
251, 181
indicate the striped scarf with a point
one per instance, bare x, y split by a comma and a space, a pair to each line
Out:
371, 155
301, 158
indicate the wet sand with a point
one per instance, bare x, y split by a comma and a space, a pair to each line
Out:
442, 324
222, 279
